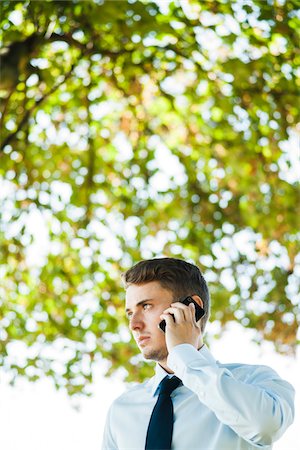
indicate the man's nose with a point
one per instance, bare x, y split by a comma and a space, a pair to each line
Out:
136, 322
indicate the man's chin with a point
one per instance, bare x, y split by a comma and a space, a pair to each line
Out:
154, 355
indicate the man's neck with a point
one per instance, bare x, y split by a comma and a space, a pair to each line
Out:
163, 364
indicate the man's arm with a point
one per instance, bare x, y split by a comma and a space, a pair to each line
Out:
108, 442
252, 400
256, 403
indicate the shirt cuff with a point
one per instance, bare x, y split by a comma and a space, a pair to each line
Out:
185, 355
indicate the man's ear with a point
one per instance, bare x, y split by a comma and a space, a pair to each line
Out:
198, 300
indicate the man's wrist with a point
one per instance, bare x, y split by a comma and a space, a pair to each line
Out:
180, 356
185, 355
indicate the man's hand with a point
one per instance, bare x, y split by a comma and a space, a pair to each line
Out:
185, 329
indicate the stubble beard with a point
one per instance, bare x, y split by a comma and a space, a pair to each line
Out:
156, 355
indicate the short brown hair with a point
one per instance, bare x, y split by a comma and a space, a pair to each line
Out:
178, 276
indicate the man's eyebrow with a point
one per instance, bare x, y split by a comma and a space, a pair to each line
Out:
140, 303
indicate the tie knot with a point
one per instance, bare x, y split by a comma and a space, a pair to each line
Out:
168, 385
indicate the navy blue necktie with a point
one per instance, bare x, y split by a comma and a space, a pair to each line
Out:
160, 428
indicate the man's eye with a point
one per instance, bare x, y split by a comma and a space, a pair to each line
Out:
144, 306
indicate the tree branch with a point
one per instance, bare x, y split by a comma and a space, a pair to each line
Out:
25, 118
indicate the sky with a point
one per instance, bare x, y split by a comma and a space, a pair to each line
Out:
34, 416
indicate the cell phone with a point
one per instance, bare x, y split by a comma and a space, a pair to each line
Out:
199, 312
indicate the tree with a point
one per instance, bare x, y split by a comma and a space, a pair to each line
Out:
137, 129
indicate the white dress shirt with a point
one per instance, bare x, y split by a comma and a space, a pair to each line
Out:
218, 407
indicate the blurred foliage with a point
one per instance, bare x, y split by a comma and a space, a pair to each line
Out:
135, 129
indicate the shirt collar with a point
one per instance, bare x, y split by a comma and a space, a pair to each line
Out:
160, 374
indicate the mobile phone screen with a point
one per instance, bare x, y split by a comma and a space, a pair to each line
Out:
199, 312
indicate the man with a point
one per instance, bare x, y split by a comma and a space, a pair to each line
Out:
210, 406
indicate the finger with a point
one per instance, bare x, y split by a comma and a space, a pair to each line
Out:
192, 309
178, 313
168, 318
179, 305
189, 312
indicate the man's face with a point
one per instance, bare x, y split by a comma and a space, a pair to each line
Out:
144, 304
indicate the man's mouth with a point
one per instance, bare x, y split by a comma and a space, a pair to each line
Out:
142, 339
